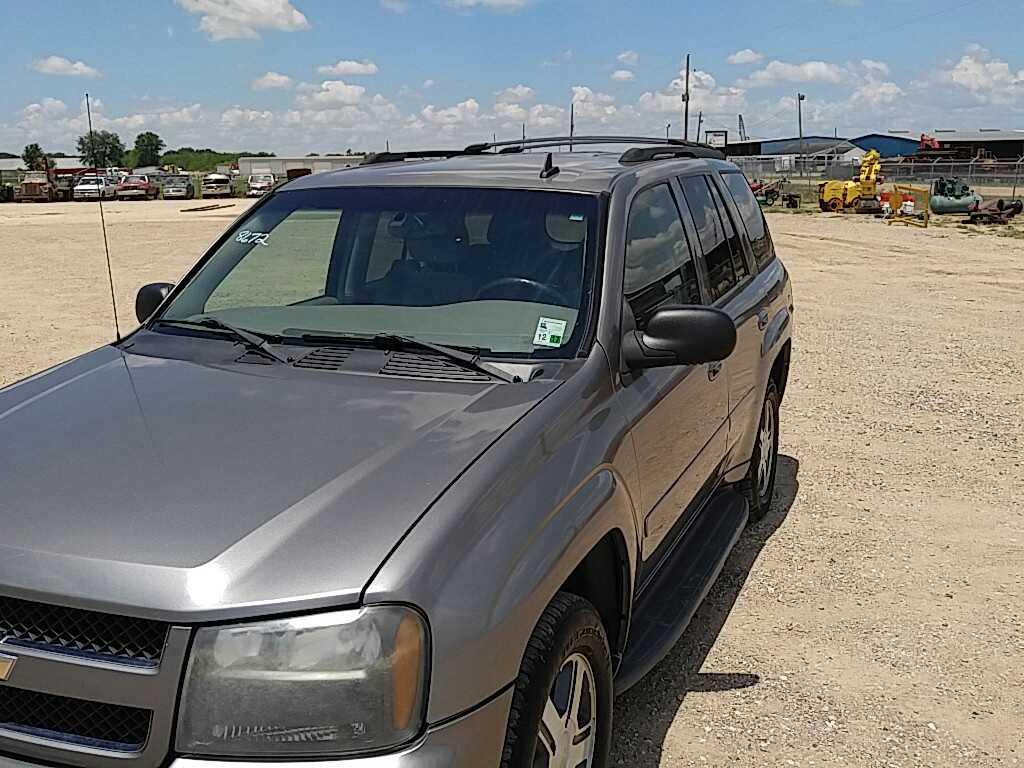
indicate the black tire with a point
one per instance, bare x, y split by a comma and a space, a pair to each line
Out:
759, 494
569, 628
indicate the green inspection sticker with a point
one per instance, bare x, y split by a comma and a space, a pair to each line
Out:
550, 332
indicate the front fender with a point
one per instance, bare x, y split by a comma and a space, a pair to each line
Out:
487, 559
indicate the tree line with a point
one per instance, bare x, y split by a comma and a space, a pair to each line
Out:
104, 149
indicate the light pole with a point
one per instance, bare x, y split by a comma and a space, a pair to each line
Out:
667, 126
800, 124
686, 103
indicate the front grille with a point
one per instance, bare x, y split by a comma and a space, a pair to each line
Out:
76, 631
87, 723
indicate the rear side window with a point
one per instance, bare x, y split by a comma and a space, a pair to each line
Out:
753, 218
659, 263
711, 232
739, 260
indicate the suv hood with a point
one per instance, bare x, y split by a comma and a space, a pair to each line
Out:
188, 492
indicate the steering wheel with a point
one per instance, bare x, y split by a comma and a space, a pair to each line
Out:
537, 287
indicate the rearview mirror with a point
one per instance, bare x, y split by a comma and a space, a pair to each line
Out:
680, 336
149, 298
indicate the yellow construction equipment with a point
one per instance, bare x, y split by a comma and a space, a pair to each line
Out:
914, 212
859, 194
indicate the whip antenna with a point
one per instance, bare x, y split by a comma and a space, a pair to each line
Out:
103, 225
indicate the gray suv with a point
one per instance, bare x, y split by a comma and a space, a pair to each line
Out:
418, 466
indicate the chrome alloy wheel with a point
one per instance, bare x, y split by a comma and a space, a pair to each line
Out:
568, 728
766, 449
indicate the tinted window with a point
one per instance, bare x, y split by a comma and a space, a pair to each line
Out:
659, 264
739, 260
753, 218
510, 271
712, 235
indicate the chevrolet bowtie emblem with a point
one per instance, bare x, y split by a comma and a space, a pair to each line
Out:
6, 666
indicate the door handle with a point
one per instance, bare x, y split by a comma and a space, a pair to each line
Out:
762, 320
713, 370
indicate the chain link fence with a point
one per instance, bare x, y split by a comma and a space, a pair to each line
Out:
1005, 175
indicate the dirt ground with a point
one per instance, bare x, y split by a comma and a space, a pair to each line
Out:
876, 617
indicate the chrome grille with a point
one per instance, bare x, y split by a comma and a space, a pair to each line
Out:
81, 632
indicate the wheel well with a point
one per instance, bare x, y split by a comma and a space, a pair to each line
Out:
780, 368
603, 579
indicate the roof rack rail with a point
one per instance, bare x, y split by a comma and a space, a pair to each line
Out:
542, 142
646, 154
423, 154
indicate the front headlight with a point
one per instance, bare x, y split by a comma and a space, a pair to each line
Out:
326, 684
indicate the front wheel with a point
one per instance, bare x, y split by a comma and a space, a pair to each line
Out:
561, 714
759, 484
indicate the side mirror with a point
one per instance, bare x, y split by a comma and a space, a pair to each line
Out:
149, 298
680, 336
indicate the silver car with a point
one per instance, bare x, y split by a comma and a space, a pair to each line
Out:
418, 466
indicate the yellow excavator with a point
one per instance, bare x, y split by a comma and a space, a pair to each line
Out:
860, 194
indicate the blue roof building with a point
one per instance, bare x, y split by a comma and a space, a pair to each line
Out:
887, 144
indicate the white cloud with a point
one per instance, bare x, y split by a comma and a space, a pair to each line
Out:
563, 58
592, 105
515, 93
745, 56
332, 93
245, 19
346, 67
782, 72
879, 67
236, 117
705, 94
58, 65
429, 83
623, 75
511, 113
878, 94
272, 80
395, 6
629, 58
464, 112
986, 78
494, 5
547, 116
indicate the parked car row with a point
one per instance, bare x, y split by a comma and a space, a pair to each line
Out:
117, 184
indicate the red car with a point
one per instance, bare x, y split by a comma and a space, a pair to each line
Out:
137, 187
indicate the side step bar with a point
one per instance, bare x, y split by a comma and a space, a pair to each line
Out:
662, 613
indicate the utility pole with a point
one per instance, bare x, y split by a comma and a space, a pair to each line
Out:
667, 126
524, 135
800, 124
572, 123
700, 122
686, 102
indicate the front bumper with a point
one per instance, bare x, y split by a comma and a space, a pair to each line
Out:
474, 740
132, 193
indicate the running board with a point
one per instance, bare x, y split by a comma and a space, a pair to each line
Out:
662, 613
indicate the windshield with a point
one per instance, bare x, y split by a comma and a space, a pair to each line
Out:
178, 180
135, 179
506, 271
261, 178
89, 180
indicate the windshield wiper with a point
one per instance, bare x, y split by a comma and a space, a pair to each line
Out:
249, 339
470, 360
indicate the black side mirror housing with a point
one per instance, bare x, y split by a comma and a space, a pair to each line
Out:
680, 336
149, 298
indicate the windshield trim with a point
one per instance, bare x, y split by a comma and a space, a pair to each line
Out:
588, 311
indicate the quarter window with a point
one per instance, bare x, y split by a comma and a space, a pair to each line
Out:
753, 218
659, 263
712, 235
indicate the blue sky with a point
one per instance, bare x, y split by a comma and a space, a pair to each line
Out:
295, 76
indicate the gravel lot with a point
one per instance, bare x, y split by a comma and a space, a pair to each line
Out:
876, 617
